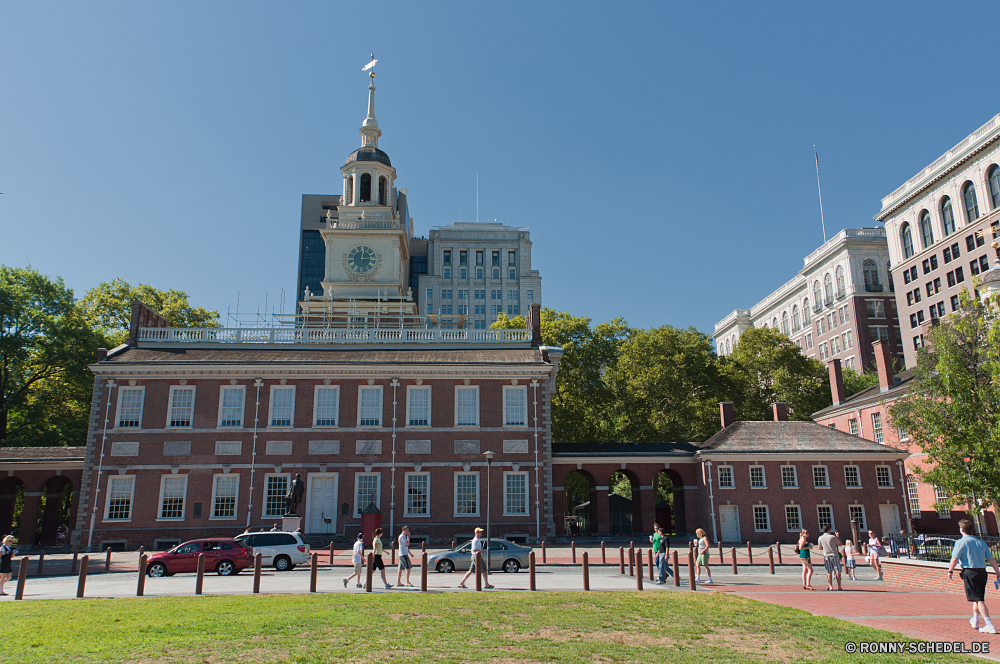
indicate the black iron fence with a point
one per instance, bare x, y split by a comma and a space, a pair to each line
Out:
929, 546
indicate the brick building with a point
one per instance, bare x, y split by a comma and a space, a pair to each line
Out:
47, 480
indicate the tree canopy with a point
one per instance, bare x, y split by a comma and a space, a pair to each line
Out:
952, 409
108, 308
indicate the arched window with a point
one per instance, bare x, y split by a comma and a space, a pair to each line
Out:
365, 195
870, 271
796, 325
947, 217
806, 314
817, 296
727, 347
735, 339
774, 323
993, 176
382, 193
888, 271
841, 288
784, 322
828, 288
926, 232
904, 235
349, 191
971, 206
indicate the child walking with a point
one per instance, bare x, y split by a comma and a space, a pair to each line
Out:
358, 559
849, 559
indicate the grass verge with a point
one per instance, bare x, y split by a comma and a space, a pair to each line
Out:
494, 627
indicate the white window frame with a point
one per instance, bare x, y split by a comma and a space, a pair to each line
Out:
913, 495
410, 389
852, 423
163, 486
732, 477
336, 418
940, 514
479, 503
380, 390
406, 495
236, 500
358, 506
888, 474
788, 526
795, 477
833, 524
263, 494
857, 470
523, 390
243, 406
471, 388
763, 477
877, 428
131, 498
170, 406
826, 472
142, 405
862, 527
270, 407
767, 516
527, 493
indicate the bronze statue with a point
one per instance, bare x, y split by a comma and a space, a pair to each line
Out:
294, 496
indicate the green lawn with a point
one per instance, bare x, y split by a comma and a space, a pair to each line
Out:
493, 627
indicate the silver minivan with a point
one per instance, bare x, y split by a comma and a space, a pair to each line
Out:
281, 550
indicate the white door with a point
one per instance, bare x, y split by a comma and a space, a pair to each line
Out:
322, 505
729, 521
890, 519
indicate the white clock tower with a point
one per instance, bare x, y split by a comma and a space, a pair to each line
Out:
367, 246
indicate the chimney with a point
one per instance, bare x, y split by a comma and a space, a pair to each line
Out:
885, 378
534, 323
780, 411
837, 383
102, 354
143, 316
726, 412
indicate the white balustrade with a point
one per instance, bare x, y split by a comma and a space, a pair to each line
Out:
310, 335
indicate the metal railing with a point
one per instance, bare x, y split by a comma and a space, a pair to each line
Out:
363, 224
873, 288
929, 546
275, 335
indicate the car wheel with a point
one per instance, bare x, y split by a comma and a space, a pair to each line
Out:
282, 563
156, 570
225, 568
446, 566
511, 566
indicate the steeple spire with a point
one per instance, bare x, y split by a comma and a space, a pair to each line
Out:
369, 129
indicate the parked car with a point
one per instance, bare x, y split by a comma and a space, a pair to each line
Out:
223, 554
504, 555
937, 546
282, 550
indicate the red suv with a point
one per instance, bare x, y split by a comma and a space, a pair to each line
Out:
224, 555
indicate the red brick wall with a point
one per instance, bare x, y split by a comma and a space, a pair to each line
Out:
929, 577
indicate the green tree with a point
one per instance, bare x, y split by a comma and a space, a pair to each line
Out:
952, 409
504, 322
766, 367
667, 385
45, 345
855, 382
108, 307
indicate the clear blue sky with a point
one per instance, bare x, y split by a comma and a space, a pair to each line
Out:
660, 154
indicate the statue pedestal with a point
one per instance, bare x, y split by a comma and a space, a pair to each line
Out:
291, 522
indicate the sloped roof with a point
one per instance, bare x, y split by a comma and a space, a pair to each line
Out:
15, 454
788, 437
623, 449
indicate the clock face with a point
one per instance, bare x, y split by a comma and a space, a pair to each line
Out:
362, 259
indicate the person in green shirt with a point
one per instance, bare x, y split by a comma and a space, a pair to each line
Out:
655, 540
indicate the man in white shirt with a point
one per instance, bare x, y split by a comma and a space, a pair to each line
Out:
358, 559
404, 558
477, 547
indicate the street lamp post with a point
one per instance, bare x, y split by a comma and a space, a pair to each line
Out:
489, 467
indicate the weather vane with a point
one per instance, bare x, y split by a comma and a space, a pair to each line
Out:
371, 66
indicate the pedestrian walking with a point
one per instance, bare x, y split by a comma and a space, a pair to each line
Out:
404, 558
875, 551
849, 559
973, 553
702, 559
477, 547
7, 551
802, 548
661, 557
654, 539
377, 563
829, 546
358, 559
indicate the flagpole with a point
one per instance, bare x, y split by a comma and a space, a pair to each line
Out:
820, 190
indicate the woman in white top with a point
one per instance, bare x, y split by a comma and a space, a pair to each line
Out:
875, 550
